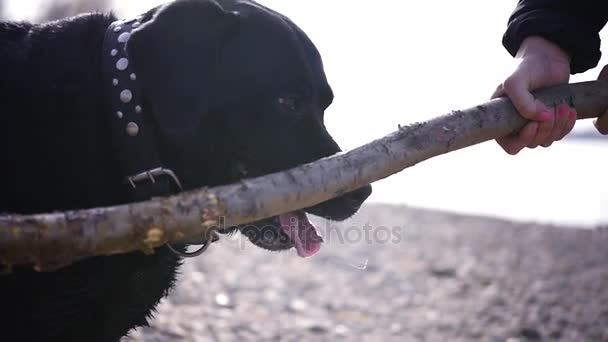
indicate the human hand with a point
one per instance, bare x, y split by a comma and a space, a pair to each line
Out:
542, 64
601, 123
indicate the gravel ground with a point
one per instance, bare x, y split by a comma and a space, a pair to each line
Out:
420, 275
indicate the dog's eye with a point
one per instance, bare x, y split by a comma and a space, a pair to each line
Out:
288, 102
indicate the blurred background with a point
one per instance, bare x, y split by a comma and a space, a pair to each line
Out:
393, 62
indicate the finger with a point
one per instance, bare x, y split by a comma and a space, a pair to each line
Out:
603, 74
499, 92
570, 125
601, 123
561, 121
544, 131
525, 103
514, 143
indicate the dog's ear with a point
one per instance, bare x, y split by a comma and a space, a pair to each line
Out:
174, 55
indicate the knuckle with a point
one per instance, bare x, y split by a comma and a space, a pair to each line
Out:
512, 151
507, 147
547, 143
604, 73
528, 109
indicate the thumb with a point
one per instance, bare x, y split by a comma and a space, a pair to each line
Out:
523, 100
499, 92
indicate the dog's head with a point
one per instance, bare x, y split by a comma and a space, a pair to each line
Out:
238, 90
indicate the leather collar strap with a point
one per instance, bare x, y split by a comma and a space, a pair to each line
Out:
133, 130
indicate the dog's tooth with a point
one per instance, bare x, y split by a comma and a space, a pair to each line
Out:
115, 81
114, 52
133, 77
119, 114
138, 109
117, 28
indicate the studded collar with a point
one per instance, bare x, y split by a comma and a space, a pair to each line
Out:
134, 133
133, 129
124, 79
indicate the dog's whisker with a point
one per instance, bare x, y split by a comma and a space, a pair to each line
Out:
343, 262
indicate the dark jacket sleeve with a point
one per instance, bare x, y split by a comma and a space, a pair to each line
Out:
574, 25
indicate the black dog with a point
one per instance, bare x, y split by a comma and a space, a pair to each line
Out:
218, 91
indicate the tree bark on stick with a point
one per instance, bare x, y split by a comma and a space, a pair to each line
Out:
52, 240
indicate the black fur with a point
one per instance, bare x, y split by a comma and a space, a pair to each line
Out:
212, 73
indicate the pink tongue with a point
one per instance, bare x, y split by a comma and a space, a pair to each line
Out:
301, 232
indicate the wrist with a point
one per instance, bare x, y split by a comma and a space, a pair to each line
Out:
537, 45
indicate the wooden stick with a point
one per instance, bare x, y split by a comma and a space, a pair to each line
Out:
53, 240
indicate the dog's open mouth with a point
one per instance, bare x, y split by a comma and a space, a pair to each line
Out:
294, 229
301, 232
284, 231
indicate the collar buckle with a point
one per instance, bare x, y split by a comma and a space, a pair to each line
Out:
150, 174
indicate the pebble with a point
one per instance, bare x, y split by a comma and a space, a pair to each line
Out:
298, 305
306, 323
396, 328
223, 300
317, 329
197, 277
341, 330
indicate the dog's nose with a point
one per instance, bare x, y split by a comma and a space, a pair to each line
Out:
361, 194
